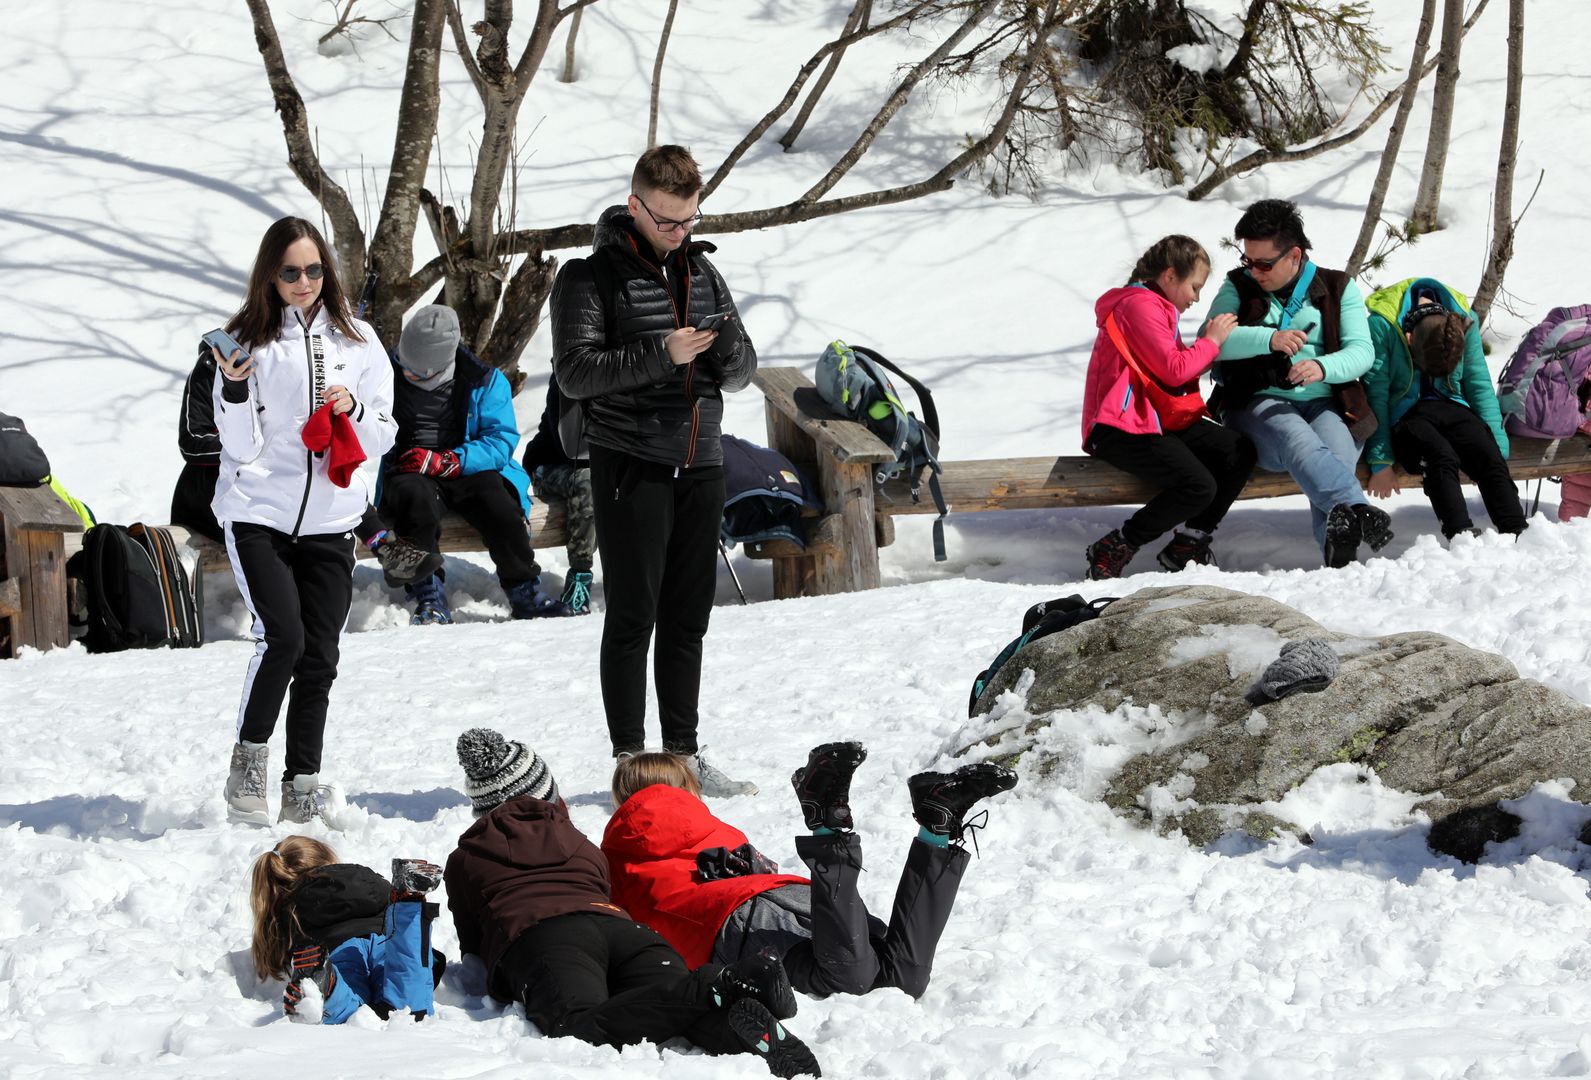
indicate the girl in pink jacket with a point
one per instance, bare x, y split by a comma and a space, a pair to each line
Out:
1142, 411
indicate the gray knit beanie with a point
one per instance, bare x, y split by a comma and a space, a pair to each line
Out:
430, 340
497, 769
1306, 666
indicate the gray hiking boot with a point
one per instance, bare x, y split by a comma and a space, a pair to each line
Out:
245, 785
304, 799
714, 782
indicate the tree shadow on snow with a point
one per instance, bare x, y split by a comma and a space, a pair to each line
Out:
103, 817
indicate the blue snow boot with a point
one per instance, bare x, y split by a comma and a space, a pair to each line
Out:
430, 604
527, 601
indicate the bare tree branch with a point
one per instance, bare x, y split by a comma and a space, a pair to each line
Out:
1428, 201
1504, 223
855, 21
1267, 156
568, 74
893, 104
348, 236
761, 127
455, 23
1389, 153
657, 72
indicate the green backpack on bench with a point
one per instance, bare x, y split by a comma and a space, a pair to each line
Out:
855, 383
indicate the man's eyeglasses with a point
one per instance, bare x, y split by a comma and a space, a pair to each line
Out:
289, 274
1262, 265
665, 225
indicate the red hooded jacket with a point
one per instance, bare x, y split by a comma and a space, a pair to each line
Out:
651, 845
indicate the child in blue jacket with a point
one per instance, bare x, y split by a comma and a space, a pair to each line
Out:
1432, 395
360, 939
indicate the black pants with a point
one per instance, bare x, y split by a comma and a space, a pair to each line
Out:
1200, 471
612, 982
1437, 439
414, 503
658, 537
299, 592
847, 954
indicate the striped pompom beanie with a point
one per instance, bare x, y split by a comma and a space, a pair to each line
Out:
497, 769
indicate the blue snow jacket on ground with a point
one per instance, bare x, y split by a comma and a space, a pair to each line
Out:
483, 407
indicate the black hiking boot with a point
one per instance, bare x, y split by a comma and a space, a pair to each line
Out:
1375, 526
404, 564
940, 801
1342, 536
823, 785
413, 878
1108, 556
1185, 548
762, 978
763, 1035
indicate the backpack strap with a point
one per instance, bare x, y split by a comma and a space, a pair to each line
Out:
930, 414
930, 420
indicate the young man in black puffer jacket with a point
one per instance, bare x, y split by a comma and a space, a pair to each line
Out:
650, 384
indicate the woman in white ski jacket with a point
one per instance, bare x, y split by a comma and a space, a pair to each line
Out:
286, 519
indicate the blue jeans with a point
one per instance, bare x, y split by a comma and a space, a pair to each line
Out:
1308, 441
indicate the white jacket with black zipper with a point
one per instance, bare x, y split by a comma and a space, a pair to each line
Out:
268, 476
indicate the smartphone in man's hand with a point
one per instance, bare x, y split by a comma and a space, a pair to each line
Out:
715, 321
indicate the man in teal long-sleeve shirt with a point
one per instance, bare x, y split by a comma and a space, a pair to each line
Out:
1302, 329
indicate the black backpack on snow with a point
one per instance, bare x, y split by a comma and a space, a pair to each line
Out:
854, 381
763, 494
140, 595
1041, 620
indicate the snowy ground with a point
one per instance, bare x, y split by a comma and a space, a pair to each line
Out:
142, 161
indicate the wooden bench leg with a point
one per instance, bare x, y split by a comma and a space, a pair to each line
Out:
848, 492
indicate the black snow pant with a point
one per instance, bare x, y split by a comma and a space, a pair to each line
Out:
657, 533
612, 982
849, 951
298, 592
1200, 471
1437, 439
413, 503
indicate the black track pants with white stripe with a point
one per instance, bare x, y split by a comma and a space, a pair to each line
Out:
299, 592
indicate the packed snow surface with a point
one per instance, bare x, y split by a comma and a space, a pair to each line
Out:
143, 160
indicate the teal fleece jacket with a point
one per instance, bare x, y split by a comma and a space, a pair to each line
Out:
1348, 363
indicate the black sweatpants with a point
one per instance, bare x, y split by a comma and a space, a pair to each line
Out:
657, 533
1437, 439
1200, 470
413, 504
612, 982
299, 592
846, 955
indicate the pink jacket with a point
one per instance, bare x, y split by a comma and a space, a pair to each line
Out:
1575, 500
1148, 322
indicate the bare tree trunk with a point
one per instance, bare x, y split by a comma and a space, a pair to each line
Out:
568, 74
348, 237
657, 72
392, 246
1389, 154
855, 21
1503, 220
1429, 200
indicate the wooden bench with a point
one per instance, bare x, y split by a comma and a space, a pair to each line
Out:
841, 454
34, 527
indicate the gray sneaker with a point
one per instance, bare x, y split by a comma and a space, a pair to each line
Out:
714, 782
304, 799
245, 785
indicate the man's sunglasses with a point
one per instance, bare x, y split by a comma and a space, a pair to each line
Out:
665, 225
289, 274
1263, 265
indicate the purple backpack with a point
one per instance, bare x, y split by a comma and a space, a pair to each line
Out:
1539, 391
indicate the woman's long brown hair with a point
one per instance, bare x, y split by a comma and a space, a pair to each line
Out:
276, 874
259, 321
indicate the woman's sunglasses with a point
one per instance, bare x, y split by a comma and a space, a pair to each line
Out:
289, 274
1264, 266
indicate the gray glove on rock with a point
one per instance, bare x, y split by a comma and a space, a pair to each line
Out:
1305, 667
